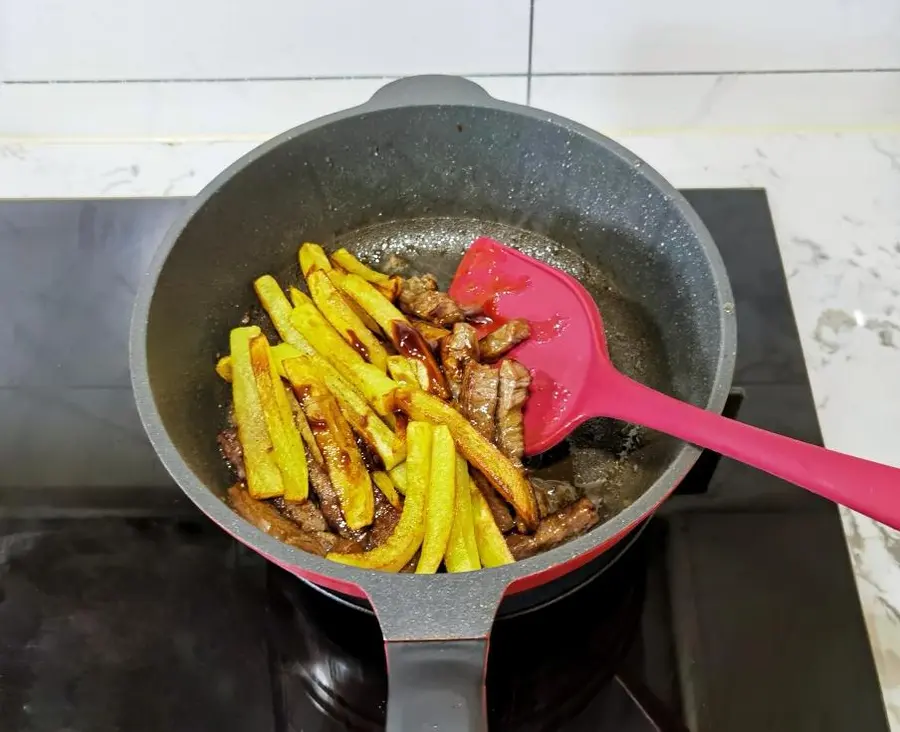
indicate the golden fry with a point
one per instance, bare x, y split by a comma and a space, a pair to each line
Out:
280, 352
287, 447
223, 368
263, 476
371, 300
390, 289
408, 371
346, 261
410, 343
368, 425
333, 305
483, 455
406, 339
386, 486
462, 547
398, 475
343, 460
492, 548
433, 334
405, 540
301, 423
276, 304
440, 501
312, 257
374, 385
388, 446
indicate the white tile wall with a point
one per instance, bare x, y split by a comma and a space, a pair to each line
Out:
225, 110
243, 69
225, 39
623, 105
624, 36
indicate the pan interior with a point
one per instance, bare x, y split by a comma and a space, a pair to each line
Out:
423, 182
610, 459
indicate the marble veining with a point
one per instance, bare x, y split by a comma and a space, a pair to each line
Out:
834, 198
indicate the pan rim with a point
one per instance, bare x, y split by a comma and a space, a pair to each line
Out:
324, 571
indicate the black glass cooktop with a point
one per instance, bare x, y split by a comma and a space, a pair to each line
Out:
123, 609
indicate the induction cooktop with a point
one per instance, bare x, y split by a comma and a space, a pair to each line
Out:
122, 608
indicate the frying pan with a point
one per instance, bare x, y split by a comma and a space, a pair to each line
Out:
420, 169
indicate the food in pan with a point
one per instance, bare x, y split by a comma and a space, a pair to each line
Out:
380, 431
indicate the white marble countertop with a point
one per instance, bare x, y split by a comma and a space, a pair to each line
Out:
835, 198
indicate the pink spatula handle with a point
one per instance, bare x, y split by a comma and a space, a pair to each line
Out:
870, 488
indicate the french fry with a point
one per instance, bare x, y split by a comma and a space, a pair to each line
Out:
440, 501
410, 343
368, 425
398, 475
407, 536
371, 300
462, 546
433, 334
483, 455
280, 351
389, 446
346, 261
492, 548
406, 339
313, 257
332, 434
333, 305
391, 290
374, 384
386, 486
223, 368
263, 476
302, 424
287, 447
408, 371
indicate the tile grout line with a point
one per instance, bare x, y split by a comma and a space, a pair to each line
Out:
482, 75
530, 54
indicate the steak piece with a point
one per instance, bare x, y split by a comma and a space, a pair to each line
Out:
555, 529
265, 516
511, 395
478, 397
553, 495
305, 514
504, 339
386, 518
499, 508
457, 350
410, 566
329, 502
232, 451
420, 297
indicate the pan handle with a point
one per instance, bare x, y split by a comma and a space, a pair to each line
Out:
436, 630
436, 685
427, 90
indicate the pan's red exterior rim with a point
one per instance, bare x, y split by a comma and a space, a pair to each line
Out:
517, 577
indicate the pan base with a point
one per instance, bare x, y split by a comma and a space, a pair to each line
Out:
545, 664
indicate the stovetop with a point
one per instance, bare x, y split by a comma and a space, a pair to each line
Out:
121, 608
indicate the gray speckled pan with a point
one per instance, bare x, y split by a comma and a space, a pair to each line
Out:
420, 169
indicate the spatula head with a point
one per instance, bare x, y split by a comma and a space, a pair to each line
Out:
566, 353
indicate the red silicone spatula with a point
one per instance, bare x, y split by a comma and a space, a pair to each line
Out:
573, 380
